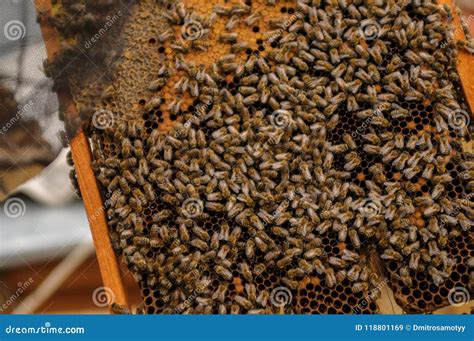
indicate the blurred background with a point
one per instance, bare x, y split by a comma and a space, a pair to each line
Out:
47, 258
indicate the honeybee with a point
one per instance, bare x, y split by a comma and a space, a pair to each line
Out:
391, 254
330, 278
199, 244
360, 287
223, 272
352, 161
243, 302
220, 293
350, 255
263, 298
437, 275
354, 273
337, 262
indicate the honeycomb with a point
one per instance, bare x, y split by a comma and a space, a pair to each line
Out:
271, 156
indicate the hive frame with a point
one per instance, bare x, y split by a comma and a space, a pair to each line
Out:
82, 155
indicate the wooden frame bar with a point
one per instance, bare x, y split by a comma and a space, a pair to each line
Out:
466, 60
82, 156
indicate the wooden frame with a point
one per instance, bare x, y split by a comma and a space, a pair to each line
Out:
466, 61
81, 152
82, 156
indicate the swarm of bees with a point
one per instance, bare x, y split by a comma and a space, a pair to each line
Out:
293, 163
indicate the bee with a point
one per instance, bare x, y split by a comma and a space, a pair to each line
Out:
360, 287
405, 276
139, 196
149, 192
337, 262
350, 256
464, 222
354, 273
120, 309
220, 293
199, 244
251, 291
128, 163
141, 241
223, 272
391, 254
414, 261
305, 266
238, 47
349, 141
123, 183
139, 261
230, 38
437, 275
243, 302
262, 298
284, 262
295, 273
330, 278
352, 161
